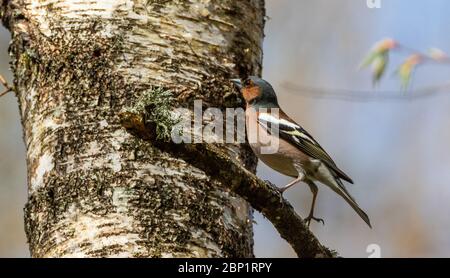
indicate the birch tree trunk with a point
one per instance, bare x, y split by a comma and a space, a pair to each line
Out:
95, 190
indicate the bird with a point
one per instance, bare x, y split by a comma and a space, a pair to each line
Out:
298, 154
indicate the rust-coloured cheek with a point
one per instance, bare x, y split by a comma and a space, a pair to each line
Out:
250, 93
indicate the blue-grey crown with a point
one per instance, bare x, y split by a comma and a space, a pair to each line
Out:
268, 96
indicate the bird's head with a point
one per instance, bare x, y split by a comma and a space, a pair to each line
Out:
257, 92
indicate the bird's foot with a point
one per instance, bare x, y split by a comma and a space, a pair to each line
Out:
269, 183
311, 217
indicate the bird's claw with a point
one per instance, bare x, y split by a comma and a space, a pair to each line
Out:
269, 183
281, 190
310, 217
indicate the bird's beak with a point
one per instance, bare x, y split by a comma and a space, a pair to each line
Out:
237, 82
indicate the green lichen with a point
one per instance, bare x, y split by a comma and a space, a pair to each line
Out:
26, 62
155, 105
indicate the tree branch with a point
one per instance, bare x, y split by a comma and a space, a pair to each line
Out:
263, 196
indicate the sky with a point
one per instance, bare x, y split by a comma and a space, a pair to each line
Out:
395, 148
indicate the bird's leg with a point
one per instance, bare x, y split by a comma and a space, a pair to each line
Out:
314, 190
300, 177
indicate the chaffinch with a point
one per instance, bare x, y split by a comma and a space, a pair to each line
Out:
298, 154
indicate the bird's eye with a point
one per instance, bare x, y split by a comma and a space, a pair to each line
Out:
248, 83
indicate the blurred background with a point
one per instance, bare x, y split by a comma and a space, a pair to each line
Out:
396, 150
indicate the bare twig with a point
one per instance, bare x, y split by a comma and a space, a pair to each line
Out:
262, 196
5, 92
5, 84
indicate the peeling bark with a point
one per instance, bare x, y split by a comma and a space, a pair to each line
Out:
95, 190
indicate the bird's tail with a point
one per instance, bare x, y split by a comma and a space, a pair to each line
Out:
340, 189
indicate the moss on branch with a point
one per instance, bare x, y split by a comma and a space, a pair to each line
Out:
155, 106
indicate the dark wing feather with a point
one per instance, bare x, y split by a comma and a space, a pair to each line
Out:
296, 135
311, 147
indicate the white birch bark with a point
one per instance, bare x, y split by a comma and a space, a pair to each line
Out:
95, 190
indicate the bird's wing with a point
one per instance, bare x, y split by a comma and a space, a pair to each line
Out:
299, 137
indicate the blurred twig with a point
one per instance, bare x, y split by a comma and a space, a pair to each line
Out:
378, 60
425, 56
366, 95
6, 85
